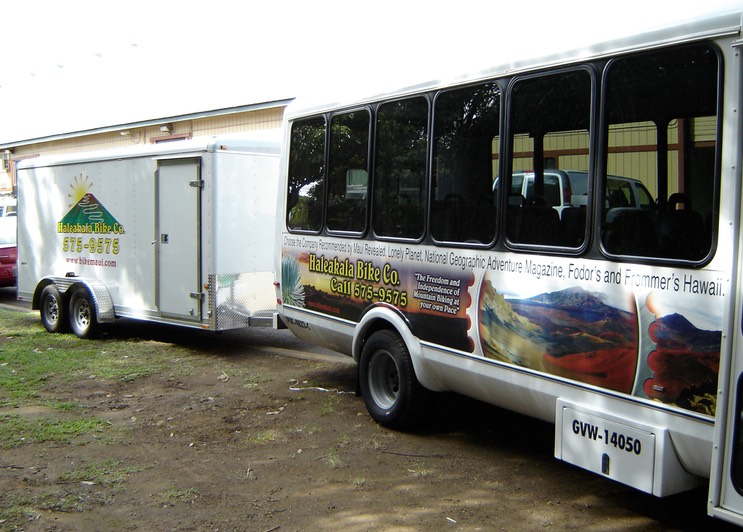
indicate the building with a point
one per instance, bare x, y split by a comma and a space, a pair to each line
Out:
250, 117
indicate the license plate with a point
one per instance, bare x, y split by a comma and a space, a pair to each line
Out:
607, 447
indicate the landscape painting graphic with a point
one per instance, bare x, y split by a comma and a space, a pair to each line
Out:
573, 333
685, 364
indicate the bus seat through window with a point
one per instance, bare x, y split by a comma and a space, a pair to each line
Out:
537, 224
631, 231
682, 230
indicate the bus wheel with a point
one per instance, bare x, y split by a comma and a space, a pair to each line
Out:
52, 310
83, 320
391, 391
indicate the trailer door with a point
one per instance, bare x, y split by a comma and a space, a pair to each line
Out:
178, 238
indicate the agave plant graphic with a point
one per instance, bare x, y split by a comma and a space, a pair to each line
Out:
292, 290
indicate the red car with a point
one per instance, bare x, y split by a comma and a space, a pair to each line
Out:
8, 251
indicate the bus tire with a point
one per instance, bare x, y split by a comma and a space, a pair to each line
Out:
83, 318
52, 310
391, 391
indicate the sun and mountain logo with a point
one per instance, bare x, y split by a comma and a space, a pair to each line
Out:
87, 214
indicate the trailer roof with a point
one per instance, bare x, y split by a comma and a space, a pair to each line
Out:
265, 142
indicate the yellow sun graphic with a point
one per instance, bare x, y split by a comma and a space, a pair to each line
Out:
78, 189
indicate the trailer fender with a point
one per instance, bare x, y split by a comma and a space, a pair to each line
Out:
98, 291
381, 317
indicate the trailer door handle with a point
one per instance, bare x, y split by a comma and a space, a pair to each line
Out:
164, 238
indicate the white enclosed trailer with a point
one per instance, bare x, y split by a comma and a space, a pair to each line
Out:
179, 233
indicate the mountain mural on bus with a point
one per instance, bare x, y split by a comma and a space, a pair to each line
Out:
685, 364
575, 334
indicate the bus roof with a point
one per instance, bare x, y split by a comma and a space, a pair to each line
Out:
708, 26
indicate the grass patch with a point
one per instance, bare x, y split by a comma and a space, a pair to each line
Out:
32, 360
64, 406
327, 406
16, 510
19, 510
335, 461
418, 469
17, 430
108, 472
254, 381
262, 437
188, 495
31, 357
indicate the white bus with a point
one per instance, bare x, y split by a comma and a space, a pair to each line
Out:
604, 297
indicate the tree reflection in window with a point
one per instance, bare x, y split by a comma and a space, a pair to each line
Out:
305, 190
466, 125
400, 191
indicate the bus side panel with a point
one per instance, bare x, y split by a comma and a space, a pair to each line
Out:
648, 332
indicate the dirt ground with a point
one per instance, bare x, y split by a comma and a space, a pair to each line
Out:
264, 436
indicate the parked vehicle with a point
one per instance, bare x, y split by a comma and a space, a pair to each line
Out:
179, 233
569, 188
8, 251
618, 322
7, 205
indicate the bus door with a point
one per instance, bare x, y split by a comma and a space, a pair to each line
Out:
726, 476
178, 239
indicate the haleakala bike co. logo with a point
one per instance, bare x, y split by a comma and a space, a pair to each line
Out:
88, 217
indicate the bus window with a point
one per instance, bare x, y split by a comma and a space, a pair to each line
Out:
347, 172
305, 188
466, 122
550, 119
400, 192
662, 131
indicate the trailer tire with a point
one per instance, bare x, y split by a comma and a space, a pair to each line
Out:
52, 310
391, 391
83, 318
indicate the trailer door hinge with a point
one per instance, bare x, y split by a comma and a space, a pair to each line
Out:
197, 295
197, 184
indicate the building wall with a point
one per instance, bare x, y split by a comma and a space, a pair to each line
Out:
253, 120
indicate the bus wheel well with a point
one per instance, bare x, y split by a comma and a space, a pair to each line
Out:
387, 381
374, 326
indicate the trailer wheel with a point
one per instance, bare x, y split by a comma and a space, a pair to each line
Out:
52, 310
391, 391
83, 319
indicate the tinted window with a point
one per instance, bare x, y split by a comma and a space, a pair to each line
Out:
643, 197
578, 183
662, 131
306, 189
550, 130
400, 192
348, 172
466, 123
